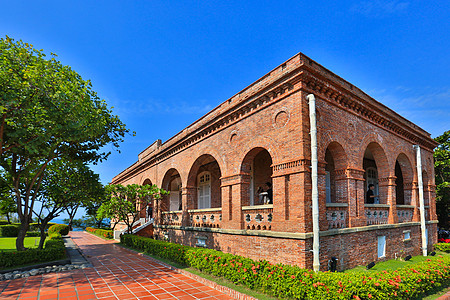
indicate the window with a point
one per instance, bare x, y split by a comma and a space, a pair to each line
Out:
381, 246
204, 190
407, 235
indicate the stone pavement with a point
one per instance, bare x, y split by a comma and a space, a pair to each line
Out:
117, 273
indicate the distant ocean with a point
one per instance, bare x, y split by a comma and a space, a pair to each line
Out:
60, 221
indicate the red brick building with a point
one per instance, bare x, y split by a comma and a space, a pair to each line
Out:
216, 167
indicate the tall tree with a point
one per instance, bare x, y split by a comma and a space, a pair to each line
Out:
7, 203
47, 111
124, 205
442, 169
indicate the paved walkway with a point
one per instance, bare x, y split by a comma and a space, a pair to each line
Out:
117, 273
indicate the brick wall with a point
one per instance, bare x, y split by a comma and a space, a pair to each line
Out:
262, 134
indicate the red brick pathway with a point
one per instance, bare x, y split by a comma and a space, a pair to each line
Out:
117, 273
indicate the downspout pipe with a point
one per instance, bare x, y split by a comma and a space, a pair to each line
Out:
314, 178
421, 201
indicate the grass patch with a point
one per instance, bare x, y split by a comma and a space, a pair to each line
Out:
218, 280
394, 264
8, 244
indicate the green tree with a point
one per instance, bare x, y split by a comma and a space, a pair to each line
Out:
124, 203
66, 186
442, 170
7, 203
47, 111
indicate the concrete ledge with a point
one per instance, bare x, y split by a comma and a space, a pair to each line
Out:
293, 235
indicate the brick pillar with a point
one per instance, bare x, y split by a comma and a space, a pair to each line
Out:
431, 191
415, 201
235, 194
280, 202
387, 189
356, 193
187, 202
292, 196
323, 223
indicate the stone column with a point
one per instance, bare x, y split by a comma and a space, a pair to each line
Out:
387, 189
187, 202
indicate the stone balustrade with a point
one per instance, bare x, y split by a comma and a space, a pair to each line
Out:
207, 217
337, 215
258, 217
376, 214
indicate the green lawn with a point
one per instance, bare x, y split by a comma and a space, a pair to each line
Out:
394, 264
8, 244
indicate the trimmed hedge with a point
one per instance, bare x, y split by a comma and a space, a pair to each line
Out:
62, 229
443, 247
11, 230
35, 226
107, 234
53, 250
293, 282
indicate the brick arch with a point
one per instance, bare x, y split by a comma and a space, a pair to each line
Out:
205, 151
165, 180
373, 142
198, 166
195, 166
146, 181
338, 153
330, 138
406, 167
258, 143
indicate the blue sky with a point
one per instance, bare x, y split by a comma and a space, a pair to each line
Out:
164, 64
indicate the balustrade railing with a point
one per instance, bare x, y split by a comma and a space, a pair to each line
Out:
258, 217
376, 214
207, 217
171, 217
405, 213
337, 215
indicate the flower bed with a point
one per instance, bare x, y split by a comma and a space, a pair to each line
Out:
54, 249
292, 282
107, 234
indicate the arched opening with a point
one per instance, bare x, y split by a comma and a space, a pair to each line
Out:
336, 163
205, 176
426, 198
403, 181
257, 164
399, 187
330, 178
146, 205
171, 183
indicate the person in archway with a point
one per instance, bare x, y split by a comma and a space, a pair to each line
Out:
269, 192
370, 195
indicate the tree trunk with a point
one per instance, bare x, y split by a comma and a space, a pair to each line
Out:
21, 236
7, 218
42, 237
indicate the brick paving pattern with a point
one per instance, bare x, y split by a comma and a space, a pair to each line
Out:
117, 273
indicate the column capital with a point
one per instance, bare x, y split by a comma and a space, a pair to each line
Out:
235, 179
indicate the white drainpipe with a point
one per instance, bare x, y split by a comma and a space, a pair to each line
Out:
421, 202
314, 178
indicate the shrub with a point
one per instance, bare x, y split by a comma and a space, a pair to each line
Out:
284, 281
53, 250
62, 229
35, 226
4, 222
33, 233
10, 230
443, 247
55, 236
105, 233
